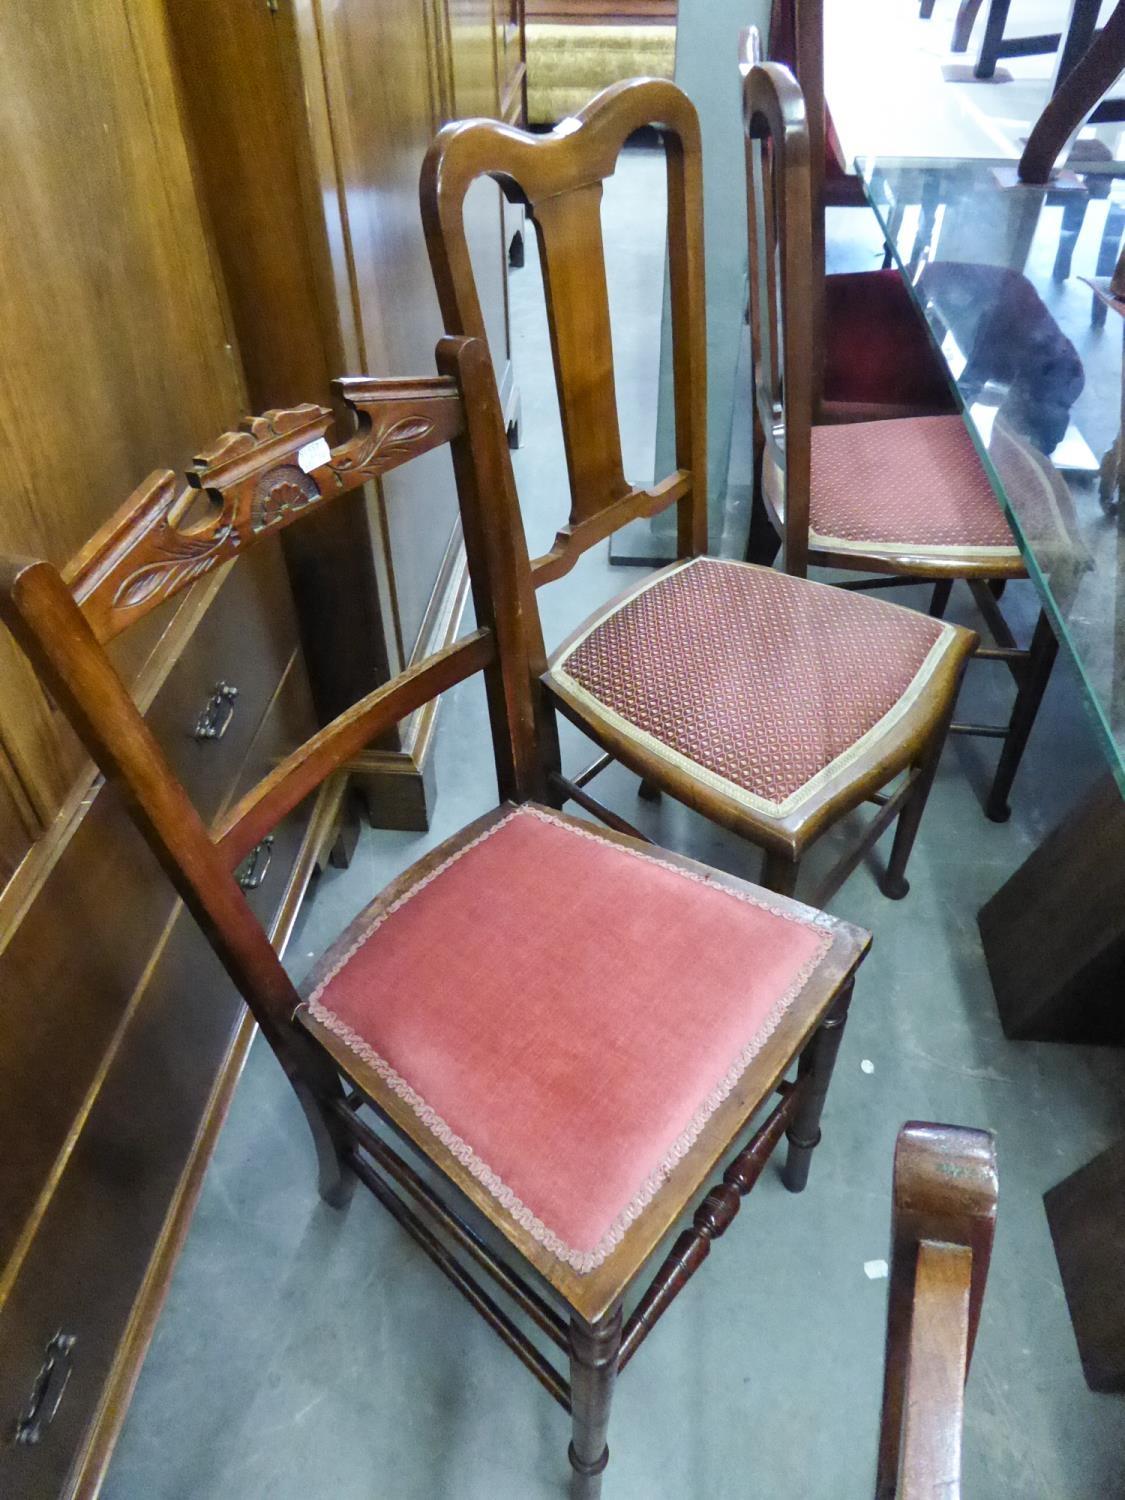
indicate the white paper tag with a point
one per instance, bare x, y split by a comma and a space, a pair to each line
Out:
313, 455
874, 1270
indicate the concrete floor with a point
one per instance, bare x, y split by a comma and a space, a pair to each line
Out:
305, 1353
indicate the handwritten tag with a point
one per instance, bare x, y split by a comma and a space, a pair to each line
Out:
313, 455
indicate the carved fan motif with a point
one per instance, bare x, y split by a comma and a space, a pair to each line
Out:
279, 493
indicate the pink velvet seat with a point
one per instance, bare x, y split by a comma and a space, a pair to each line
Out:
564, 1013
909, 487
762, 685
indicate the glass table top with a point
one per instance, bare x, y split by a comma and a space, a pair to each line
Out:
1001, 273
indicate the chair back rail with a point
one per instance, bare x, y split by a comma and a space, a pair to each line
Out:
276, 470
1096, 73
559, 177
779, 212
942, 1226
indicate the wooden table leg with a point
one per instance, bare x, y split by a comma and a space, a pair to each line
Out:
1054, 934
1086, 1212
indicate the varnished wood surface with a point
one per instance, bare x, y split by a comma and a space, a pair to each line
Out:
1086, 1212
1080, 91
113, 316
942, 1225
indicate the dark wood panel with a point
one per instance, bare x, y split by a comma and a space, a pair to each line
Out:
1054, 934
1087, 1217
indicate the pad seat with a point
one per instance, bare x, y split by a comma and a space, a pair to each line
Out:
761, 687
563, 1013
912, 488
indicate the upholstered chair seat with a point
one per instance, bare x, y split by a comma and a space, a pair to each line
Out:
762, 686
908, 488
563, 1013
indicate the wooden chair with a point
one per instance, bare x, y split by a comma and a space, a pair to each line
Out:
769, 704
942, 1225
577, 1107
874, 356
904, 499
1085, 75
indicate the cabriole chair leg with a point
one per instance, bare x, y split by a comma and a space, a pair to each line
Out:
814, 1071
594, 1350
335, 1179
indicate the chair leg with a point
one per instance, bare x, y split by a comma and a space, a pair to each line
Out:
594, 1350
939, 599
815, 1068
926, 9
963, 26
1041, 658
894, 883
779, 873
649, 791
335, 1179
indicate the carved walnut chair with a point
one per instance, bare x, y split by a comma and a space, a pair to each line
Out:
905, 499
942, 1224
874, 354
772, 705
577, 1104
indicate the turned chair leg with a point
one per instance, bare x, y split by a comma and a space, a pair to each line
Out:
1037, 672
779, 873
894, 883
594, 1350
814, 1071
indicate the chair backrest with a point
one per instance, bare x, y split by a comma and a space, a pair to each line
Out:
275, 471
942, 1224
782, 280
559, 178
796, 41
1077, 95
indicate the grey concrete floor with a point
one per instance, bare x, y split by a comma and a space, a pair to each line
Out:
307, 1353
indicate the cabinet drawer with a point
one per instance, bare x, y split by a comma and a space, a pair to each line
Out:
108, 1217
213, 700
78, 957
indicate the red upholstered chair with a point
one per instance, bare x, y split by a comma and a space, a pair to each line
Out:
770, 704
571, 1029
943, 1220
875, 356
904, 499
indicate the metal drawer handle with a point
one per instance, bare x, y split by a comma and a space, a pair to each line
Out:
215, 719
257, 865
47, 1392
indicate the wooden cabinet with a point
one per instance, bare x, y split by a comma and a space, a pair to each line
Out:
309, 122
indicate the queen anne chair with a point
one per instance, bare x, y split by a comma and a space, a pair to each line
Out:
570, 1028
905, 499
772, 705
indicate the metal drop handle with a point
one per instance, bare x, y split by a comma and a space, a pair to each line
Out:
257, 865
214, 721
47, 1392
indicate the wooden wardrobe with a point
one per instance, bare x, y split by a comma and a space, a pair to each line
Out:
211, 207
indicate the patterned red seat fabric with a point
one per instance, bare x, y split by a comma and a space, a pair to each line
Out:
914, 485
564, 1013
760, 684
